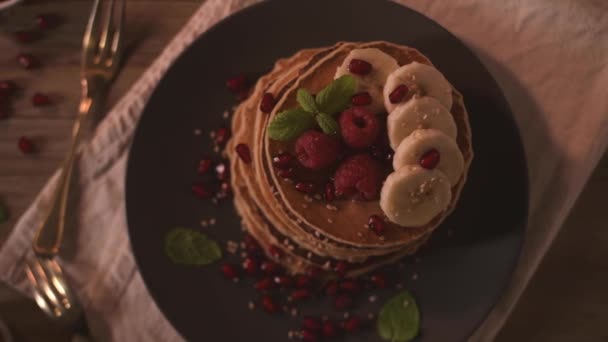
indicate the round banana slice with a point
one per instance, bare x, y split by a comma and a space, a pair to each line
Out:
372, 82
422, 112
422, 78
413, 196
417, 146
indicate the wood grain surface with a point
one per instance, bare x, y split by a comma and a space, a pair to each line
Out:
567, 299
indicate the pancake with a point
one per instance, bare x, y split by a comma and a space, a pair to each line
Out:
307, 230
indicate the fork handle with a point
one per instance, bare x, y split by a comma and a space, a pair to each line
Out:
50, 233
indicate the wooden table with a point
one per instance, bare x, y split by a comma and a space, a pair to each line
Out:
566, 301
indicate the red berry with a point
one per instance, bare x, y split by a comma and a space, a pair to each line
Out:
41, 100
398, 94
331, 288
361, 99
26, 146
28, 61
204, 165
304, 282
352, 324
270, 268
282, 160
376, 224
379, 280
300, 294
7, 87
305, 187
286, 173
269, 305
250, 265
264, 284
267, 103
359, 127
275, 252
222, 171
243, 151
221, 136
341, 268
430, 159
359, 176
350, 286
47, 21
229, 271
251, 245
308, 336
200, 190
330, 191
311, 324
329, 329
343, 302
316, 150
236, 83
283, 281
24, 36
359, 67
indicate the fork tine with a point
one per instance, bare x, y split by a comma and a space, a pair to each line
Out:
42, 290
104, 46
90, 41
117, 41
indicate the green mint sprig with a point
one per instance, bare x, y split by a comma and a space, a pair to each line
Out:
189, 247
399, 319
331, 100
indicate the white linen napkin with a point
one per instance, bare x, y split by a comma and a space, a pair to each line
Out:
548, 57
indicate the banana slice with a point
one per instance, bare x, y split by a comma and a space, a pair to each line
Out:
423, 78
413, 196
414, 147
422, 112
373, 82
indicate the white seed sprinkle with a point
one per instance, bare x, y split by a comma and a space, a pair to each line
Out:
235, 280
324, 318
212, 221
204, 223
214, 200
346, 314
370, 316
304, 205
307, 198
317, 234
372, 298
291, 247
317, 196
399, 286
294, 312
406, 303
309, 255
198, 132
243, 255
290, 334
212, 134
330, 220
216, 149
326, 265
286, 242
415, 276
382, 238
359, 234
242, 245
331, 207
232, 247
225, 114
251, 305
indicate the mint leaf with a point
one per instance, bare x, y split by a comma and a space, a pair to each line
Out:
327, 123
189, 247
289, 124
399, 319
335, 97
306, 101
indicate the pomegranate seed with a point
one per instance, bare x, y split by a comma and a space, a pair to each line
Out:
286, 173
329, 329
41, 100
341, 268
331, 288
301, 294
236, 83
243, 151
350, 286
200, 190
224, 191
47, 21
282, 160
275, 252
204, 165
305, 187
359, 67
379, 280
330, 191
270, 268
430, 159
361, 99
222, 171
24, 36
264, 284
398, 94
308, 336
229, 271
26, 146
28, 61
269, 305
267, 103
250, 265
221, 136
283, 281
343, 302
376, 224
7, 87
352, 324
304, 282
251, 245
311, 324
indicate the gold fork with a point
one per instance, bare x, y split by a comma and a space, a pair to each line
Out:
101, 55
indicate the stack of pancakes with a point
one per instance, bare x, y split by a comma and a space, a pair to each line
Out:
304, 231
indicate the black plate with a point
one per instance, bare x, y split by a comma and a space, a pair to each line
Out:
469, 260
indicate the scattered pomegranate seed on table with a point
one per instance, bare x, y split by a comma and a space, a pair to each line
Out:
275, 252
361, 99
331, 288
204, 165
269, 304
343, 302
243, 152
28, 61
359, 67
269, 267
268, 102
236, 83
311, 323
329, 329
225, 190
26, 146
41, 100
25, 36
229, 271
250, 265
304, 281
221, 136
379, 280
300, 294
305, 187
430, 159
350, 286
46, 21
283, 281
352, 324
264, 284
376, 224
308, 336
200, 190
398, 94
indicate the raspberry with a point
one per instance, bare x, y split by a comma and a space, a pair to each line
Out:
359, 176
316, 150
359, 127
